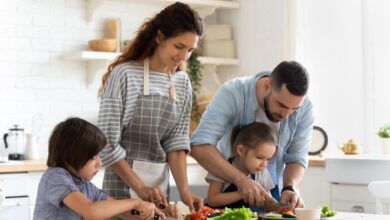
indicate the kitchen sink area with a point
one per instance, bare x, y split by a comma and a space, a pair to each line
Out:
357, 169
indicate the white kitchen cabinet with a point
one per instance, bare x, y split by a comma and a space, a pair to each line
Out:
354, 198
315, 189
34, 178
16, 193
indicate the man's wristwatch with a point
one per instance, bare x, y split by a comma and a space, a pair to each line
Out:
288, 187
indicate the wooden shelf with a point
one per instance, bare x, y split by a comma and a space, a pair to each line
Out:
97, 62
204, 7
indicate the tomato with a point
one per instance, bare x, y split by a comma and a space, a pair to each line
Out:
286, 211
195, 216
201, 214
206, 210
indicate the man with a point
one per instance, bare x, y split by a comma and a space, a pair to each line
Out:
278, 99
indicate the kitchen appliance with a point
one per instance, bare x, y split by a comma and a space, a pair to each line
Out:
15, 142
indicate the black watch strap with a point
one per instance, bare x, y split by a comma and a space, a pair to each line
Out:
288, 187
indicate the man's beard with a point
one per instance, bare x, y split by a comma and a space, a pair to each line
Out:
268, 113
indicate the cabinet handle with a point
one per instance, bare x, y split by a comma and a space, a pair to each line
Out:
357, 208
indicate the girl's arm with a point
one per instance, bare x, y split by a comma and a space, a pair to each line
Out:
216, 198
104, 209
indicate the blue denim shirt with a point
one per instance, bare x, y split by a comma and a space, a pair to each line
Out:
235, 103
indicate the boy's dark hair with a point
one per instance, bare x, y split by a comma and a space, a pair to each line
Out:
251, 135
73, 143
294, 75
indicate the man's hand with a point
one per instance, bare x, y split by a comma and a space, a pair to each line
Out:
252, 192
292, 198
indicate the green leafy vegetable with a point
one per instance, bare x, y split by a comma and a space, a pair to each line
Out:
236, 214
326, 212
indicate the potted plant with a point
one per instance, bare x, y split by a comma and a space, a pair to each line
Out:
194, 70
384, 134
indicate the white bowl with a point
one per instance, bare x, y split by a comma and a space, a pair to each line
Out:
308, 213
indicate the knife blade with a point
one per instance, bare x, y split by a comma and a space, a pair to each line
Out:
270, 206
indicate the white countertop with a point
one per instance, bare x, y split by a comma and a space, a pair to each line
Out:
341, 156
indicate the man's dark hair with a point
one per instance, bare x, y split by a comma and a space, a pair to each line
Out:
73, 143
294, 75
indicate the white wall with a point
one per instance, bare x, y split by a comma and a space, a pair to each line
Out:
330, 46
34, 77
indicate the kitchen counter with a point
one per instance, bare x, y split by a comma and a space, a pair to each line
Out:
40, 165
316, 161
23, 166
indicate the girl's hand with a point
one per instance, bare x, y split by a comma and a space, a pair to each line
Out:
152, 194
145, 210
172, 210
193, 201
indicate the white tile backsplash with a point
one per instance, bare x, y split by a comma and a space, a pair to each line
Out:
34, 78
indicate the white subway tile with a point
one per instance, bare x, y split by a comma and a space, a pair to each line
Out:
41, 20
8, 55
31, 82
7, 6
22, 43
33, 57
7, 30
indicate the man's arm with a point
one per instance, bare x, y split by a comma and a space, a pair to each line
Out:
211, 159
292, 176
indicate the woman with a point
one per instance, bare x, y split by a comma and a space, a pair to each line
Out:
145, 109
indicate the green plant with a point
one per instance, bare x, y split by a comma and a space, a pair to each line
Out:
384, 132
194, 70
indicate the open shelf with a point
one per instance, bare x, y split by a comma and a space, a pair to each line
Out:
204, 7
98, 61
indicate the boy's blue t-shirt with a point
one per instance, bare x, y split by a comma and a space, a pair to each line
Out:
56, 183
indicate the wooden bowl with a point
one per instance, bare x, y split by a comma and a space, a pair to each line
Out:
108, 45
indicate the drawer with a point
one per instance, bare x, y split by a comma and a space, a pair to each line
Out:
344, 206
350, 192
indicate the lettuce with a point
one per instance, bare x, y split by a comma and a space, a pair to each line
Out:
236, 214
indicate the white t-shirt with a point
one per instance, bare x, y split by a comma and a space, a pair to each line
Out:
263, 177
262, 117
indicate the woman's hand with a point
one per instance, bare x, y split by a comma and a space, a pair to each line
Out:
145, 210
193, 201
172, 210
152, 194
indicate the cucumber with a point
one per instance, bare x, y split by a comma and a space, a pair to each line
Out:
285, 215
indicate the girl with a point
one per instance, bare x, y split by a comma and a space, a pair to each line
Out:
145, 109
65, 190
252, 146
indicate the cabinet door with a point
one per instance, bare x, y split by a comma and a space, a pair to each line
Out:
315, 189
15, 208
352, 198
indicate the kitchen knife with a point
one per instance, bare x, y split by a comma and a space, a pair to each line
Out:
275, 206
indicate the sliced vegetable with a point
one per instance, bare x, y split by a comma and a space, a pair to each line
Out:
286, 215
274, 215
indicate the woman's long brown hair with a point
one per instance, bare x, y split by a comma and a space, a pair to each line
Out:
173, 20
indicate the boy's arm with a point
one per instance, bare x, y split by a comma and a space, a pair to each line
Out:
217, 198
104, 209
